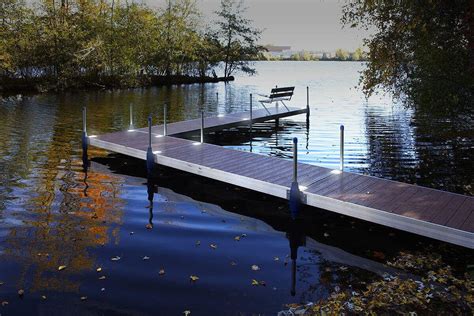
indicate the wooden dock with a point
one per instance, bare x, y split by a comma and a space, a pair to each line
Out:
433, 213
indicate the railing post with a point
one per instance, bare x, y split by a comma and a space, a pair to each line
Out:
165, 127
150, 160
131, 117
202, 127
295, 193
341, 146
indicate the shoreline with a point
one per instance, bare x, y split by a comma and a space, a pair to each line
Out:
42, 85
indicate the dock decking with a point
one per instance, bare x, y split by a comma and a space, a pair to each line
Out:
433, 213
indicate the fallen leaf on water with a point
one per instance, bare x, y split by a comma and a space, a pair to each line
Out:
4, 303
99, 269
186, 313
162, 272
94, 216
131, 233
255, 282
102, 289
146, 258
2, 283
116, 258
255, 267
83, 298
262, 283
43, 297
194, 278
326, 235
276, 259
243, 235
237, 238
102, 277
232, 263
149, 226
343, 268
213, 246
198, 243
21, 292
61, 268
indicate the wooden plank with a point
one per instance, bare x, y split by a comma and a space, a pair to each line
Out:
462, 214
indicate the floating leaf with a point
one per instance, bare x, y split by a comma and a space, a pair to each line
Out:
213, 246
232, 263
237, 238
102, 289
60, 268
243, 235
198, 243
255, 267
4, 303
162, 272
194, 278
186, 313
255, 282
326, 235
149, 226
2, 283
131, 233
102, 277
116, 258
99, 269
276, 259
43, 297
83, 298
146, 258
21, 292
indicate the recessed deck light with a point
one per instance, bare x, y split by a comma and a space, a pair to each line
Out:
197, 143
92, 136
158, 136
157, 152
335, 171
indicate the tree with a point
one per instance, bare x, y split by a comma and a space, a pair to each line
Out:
421, 51
237, 38
342, 54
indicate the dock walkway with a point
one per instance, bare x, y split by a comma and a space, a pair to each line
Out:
433, 213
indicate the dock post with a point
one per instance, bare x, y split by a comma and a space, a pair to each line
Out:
202, 127
307, 101
85, 140
341, 146
131, 117
165, 127
295, 194
251, 114
150, 160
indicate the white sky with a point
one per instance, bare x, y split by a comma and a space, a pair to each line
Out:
301, 24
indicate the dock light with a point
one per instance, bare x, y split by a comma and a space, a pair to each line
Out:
157, 152
335, 171
220, 115
197, 143
302, 188
158, 136
131, 130
92, 136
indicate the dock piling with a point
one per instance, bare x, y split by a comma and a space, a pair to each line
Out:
307, 102
295, 193
165, 128
251, 114
341, 146
202, 127
150, 160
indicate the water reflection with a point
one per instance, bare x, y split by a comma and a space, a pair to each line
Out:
296, 238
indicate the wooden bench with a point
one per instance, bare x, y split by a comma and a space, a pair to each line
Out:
278, 95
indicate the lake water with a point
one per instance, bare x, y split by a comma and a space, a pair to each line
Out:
53, 214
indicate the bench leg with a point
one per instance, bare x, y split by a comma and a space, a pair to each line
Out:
285, 106
265, 108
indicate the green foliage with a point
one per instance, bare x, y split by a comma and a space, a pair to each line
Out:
237, 38
116, 43
421, 51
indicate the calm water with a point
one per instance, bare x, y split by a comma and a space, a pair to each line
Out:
53, 214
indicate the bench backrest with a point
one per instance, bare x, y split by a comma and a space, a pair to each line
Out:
285, 92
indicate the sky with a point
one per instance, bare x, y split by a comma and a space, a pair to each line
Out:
302, 24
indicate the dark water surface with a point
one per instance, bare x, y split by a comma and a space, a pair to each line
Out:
53, 214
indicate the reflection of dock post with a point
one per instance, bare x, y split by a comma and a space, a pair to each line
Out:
295, 194
151, 192
307, 102
297, 238
85, 140
150, 161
